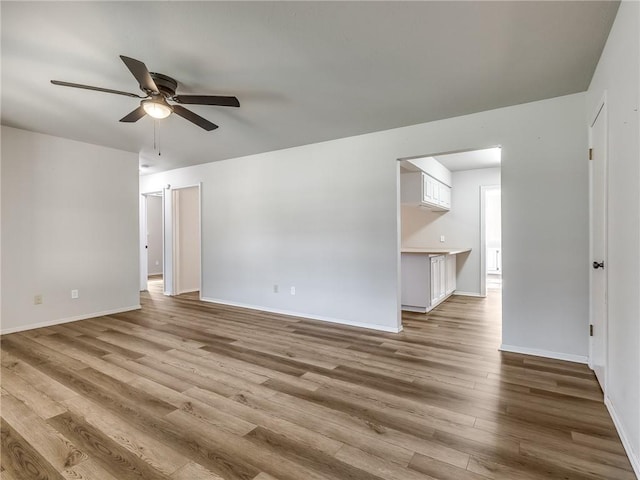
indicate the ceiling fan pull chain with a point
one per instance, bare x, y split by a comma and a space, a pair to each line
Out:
158, 123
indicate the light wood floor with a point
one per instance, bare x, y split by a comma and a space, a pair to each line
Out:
183, 390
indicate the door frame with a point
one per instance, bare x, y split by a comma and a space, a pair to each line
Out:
600, 109
172, 241
144, 251
483, 235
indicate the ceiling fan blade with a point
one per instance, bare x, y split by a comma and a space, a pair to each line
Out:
140, 71
96, 89
207, 100
194, 118
134, 116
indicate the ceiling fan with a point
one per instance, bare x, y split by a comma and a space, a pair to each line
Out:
159, 90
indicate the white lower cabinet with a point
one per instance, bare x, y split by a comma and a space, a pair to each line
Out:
450, 265
427, 280
438, 279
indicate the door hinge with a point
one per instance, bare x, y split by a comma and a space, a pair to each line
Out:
591, 330
591, 154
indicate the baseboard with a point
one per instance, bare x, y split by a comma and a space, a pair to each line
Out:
370, 326
409, 308
544, 353
68, 320
633, 456
468, 294
188, 291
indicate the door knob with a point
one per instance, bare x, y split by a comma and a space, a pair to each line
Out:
597, 265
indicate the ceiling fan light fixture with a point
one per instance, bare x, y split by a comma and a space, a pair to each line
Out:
156, 109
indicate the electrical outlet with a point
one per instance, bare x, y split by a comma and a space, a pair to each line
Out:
293, 290
157, 262
275, 288
37, 299
74, 294
441, 238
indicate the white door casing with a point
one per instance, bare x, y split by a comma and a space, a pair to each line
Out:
144, 231
176, 249
598, 244
485, 261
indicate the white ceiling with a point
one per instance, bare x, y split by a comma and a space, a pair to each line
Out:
304, 71
485, 158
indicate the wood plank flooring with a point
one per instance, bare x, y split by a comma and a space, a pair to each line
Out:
184, 390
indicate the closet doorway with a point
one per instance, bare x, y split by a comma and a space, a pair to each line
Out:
152, 245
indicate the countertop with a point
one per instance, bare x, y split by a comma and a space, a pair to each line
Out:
434, 251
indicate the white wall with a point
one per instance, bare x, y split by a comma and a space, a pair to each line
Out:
187, 225
154, 234
300, 217
460, 226
69, 221
324, 218
618, 74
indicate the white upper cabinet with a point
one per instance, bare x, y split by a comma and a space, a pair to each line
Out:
421, 189
444, 200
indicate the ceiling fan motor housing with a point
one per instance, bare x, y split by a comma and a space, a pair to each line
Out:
165, 84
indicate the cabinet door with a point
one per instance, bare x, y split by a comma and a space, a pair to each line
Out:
443, 277
451, 273
438, 279
427, 188
435, 280
445, 196
494, 262
436, 191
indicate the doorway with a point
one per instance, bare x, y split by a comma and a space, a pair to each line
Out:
154, 245
492, 236
456, 227
152, 260
186, 256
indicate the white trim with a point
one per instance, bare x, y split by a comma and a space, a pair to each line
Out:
60, 321
398, 248
544, 353
175, 246
634, 459
370, 326
601, 108
142, 240
409, 308
483, 233
144, 252
189, 291
468, 294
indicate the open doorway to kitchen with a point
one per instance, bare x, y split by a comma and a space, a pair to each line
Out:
443, 230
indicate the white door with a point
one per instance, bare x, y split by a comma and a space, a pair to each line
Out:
186, 240
598, 208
